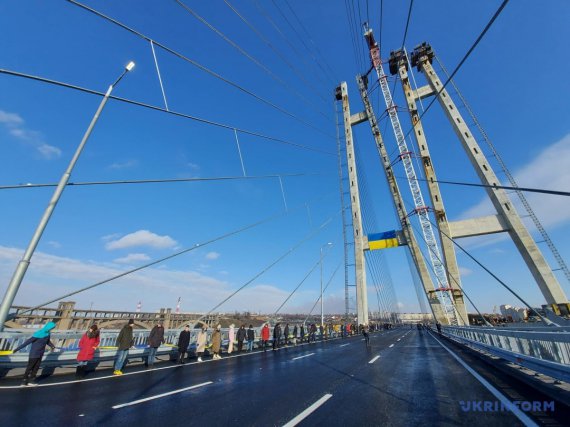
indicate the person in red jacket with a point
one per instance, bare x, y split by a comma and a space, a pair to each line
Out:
87, 346
264, 335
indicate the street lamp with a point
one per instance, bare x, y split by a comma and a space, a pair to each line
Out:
322, 312
25, 261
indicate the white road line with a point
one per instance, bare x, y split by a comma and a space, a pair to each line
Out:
374, 359
391, 345
300, 357
506, 402
158, 396
398, 339
308, 411
344, 345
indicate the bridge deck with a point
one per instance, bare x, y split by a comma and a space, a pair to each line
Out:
414, 381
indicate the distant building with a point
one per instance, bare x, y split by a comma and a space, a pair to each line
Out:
514, 314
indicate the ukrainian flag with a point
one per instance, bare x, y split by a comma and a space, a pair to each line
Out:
387, 239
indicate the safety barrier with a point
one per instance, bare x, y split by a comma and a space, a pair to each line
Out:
544, 350
67, 346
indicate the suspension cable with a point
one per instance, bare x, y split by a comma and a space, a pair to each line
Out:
163, 110
198, 65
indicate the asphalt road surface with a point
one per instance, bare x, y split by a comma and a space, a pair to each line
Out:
404, 378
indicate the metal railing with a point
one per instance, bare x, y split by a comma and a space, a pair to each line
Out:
67, 346
544, 350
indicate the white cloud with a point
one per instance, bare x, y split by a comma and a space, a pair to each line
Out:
548, 170
141, 238
15, 125
54, 244
132, 258
124, 165
11, 119
50, 276
212, 255
464, 271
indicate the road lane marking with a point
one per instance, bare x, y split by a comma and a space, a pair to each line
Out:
300, 357
158, 396
506, 402
308, 411
391, 345
398, 339
344, 345
374, 359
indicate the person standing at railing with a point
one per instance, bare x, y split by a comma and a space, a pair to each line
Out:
241, 333
155, 339
231, 337
265, 336
201, 342
39, 340
276, 336
286, 334
87, 346
217, 342
183, 343
124, 342
250, 338
295, 330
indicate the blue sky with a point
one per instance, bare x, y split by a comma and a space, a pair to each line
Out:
514, 81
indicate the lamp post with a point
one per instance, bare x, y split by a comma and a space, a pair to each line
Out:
322, 306
24, 263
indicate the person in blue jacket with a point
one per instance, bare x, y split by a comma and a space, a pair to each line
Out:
39, 340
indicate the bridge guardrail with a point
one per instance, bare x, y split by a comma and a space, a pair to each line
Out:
547, 352
67, 344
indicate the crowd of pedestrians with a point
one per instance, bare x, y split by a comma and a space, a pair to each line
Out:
281, 336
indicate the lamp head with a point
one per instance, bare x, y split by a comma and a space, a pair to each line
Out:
130, 66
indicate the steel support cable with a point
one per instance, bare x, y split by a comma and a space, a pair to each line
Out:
270, 266
420, 294
274, 49
407, 23
198, 65
324, 289
359, 26
502, 187
560, 261
250, 57
316, 47
353, 38
471, 49
150, 264
377, 282
298, 286
155, 181
466, 321
162, 110
494, 276
280, 32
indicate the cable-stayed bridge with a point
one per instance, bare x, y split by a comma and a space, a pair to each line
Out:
253, 108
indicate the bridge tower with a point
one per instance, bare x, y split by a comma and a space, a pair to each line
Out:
398, 63
507, 218
359, 262
409, 235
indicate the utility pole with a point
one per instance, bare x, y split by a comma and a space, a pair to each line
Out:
24, 263
360, 267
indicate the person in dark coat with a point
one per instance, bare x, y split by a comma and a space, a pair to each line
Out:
302, 333
366, 335
124, 342
250, 338
241, 333
286, 334
276, 336
295, 330
87, 346
183, 343
155, 339
39, 340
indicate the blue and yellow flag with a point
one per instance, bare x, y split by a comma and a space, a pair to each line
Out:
387, 239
